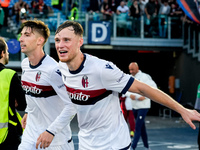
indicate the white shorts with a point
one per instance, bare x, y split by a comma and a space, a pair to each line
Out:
28, 146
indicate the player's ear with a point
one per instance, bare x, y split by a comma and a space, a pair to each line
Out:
41, 40
81, 41
1, 54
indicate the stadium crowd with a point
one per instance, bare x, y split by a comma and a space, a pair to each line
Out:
154, 12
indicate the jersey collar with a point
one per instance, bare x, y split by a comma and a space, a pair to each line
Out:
33, 67
80, 68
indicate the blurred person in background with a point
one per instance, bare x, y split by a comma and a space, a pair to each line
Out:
163, 13
150, 18
74, 13
126, 106
140, 105
142, 5
134, 12
42, 9
122, 8
106, 10
114, 4
12, 97
94, 6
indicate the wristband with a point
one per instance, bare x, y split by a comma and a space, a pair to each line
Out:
50, 132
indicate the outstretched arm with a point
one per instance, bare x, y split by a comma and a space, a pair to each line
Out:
134, 96
164, 99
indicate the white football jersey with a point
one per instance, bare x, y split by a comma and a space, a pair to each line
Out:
94, 89
46, 97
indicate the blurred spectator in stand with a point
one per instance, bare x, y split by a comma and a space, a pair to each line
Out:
25, 10
113, 5
2, 17
176, 14
175, 10
142, 6
15, 12
24, 13
94, 9
163, 18
122, 8
57, 4
171, 2
4, 6
106, 10
33, 6
122, 16
18, 10
27, 7
134, 12
23, 17
74, 14
150, 19
41, 9
94, 6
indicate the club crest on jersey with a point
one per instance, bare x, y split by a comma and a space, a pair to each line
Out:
85, 81
37, 78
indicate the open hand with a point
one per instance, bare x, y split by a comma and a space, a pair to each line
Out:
44, 140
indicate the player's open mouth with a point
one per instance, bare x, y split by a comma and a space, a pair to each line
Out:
22, 45
62, 52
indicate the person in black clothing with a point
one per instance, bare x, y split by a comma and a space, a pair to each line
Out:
16, 98
134, 12
106, 10
94, 6
151, 14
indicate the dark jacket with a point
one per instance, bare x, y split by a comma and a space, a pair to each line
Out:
16, 93
133, 11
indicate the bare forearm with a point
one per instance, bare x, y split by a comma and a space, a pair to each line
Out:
164, 99
156, 95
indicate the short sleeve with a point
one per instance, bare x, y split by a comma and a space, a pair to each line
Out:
114, 79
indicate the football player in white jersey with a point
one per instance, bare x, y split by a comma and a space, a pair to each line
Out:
48, 104
93, 85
